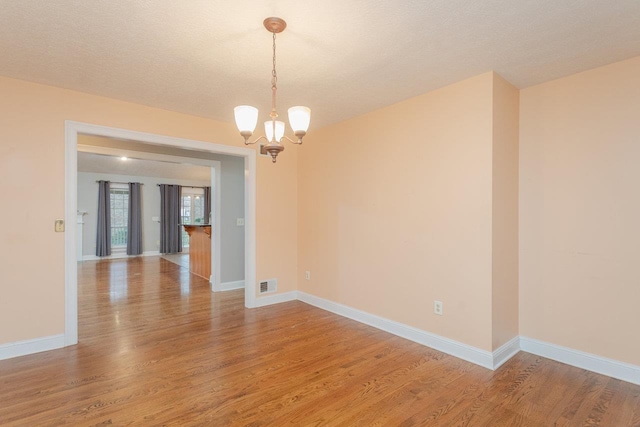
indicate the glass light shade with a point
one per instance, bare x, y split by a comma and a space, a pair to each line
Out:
268, 130
246, 118
299, 118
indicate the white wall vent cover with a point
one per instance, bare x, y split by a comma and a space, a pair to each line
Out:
268, 286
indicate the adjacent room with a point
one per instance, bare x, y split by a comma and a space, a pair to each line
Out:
329, 214
209, 196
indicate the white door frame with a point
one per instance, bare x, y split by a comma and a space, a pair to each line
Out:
216, 188
72, 129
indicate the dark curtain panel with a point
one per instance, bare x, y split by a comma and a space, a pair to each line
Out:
207, 205
170, 236
134, 223
103, 238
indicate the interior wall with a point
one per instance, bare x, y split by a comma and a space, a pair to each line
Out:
579, 211
395, 212
32, 176
504, 308
232, 208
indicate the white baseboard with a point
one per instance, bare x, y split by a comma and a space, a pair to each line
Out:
276, 298
590, 362
228, 286
22, 348
505, 352
118, 256
454, 348
491, 360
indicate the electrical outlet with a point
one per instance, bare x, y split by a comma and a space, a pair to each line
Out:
59, 225
307, 275
437, 307
239, 222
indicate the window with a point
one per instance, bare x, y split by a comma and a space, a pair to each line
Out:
191, 210
119, 215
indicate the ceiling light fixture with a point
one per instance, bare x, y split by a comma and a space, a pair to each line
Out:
247, 116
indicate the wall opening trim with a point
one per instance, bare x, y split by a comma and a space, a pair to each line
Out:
72, 130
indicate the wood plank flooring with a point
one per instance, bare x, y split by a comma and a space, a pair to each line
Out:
157, 347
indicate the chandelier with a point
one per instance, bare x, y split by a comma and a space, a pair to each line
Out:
247, 116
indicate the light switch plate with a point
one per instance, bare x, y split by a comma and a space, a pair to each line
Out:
59, 225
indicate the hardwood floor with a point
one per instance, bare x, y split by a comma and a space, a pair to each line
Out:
157, 347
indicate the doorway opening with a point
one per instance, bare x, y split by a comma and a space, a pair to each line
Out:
101, 158
161, 143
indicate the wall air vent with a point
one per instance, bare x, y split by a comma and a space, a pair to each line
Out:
268, 286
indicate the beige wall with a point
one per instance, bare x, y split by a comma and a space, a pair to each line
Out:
395, 211
580, 211
506, 101
32, 181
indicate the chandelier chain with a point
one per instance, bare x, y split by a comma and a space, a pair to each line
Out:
274, 76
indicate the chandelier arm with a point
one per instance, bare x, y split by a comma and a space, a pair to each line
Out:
246, 140
298, 142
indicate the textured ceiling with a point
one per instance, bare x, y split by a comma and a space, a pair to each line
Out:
341, 58
97, 163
